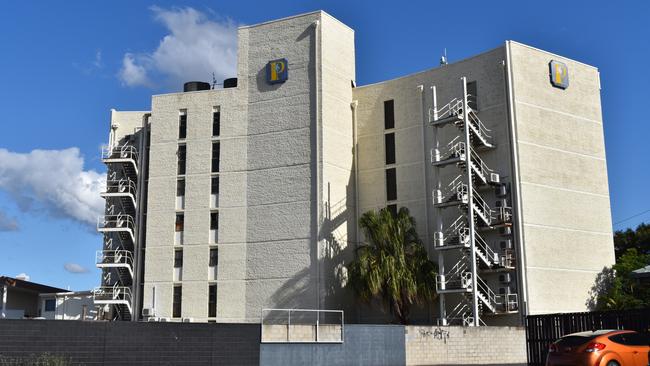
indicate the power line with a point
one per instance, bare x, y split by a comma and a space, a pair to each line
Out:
633, 216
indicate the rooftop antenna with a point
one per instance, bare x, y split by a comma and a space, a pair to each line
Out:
214, 81
443, 58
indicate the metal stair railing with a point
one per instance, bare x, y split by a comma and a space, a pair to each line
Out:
489, 297
124, 185
482, 208
479, 128
455, 149
456, 190
113, 295
450, 109
489, 256
458, 278
126, 151
115, 258
481, 167
119, 222
457, 229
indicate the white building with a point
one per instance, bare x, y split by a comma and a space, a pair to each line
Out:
223, 202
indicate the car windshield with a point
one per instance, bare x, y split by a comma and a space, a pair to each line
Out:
574, 341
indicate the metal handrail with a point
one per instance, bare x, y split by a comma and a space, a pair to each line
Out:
114, 257
448, 110
112, 293
121, 186
456, 188
480, 127
481, 165
490, 295
120, 152
116, 221
455, 280
483, 245
483, 206
457, 229
455, 149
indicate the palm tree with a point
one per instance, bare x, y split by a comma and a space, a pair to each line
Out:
393, 264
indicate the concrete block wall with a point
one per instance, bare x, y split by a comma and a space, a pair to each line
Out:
428, 345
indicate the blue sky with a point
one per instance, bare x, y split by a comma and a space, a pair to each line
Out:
64, 65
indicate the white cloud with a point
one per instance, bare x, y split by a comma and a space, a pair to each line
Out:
7, 223
98, 59
195, 47
23, 276
54, 181
75, 268
132, 74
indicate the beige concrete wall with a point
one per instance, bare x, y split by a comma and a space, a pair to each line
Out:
564, 191
465, 346
415, 176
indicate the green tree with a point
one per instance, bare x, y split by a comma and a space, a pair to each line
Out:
393, 264
638, 238
621, 290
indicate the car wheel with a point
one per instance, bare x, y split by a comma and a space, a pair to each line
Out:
612, 363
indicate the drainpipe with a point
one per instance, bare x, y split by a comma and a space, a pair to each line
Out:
319, 177
355, 150
4, 302
516, 189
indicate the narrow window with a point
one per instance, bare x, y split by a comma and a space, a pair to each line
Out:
181, 159
178, 294
214, 257
180, 188
214, 192
389, 114
392, 209
390, 148
214, 226
216, 121
182, 126
212, 301
215, 157
391, 184
180, 222
178, 258
472, 95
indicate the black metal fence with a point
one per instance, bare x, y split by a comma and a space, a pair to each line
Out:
542, 330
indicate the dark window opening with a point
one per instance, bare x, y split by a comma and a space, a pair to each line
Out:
214, 220
182, 126
178, 259
50, 305
216, 123
180, 222
389, 114
180, 187
215, 157
472, 95
390, 148
176, 307
214, 257
181, 159
214, 187
391, 184
212, 301
392, 209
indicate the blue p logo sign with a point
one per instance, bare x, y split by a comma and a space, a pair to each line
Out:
277, 71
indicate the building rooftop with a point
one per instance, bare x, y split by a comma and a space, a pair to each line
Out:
29, 286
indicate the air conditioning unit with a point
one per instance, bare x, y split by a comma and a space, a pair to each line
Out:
153, 319
438, 239
506, 244
501, 191
148, 312
163, 319
506, 230
504, 290
504, 278
494, 178
187, 320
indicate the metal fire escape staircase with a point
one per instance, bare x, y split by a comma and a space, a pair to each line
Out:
460, 241
119, 229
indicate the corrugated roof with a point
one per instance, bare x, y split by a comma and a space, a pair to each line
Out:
30, 286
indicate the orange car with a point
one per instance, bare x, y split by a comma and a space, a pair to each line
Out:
600, 348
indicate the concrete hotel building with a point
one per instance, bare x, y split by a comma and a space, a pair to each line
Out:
223, 202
